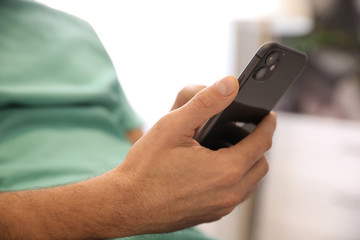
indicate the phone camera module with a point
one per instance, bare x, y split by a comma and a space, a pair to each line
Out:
272, 58
260, 73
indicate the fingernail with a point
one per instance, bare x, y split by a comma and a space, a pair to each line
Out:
226, 86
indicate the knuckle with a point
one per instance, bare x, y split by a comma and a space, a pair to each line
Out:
228, 210
246, 160
225, 212
164, 122
268, 144
229, 201
232, 176
183, 92
192, 89
163, 126
188, 89
202, 101
217, 216
263, 168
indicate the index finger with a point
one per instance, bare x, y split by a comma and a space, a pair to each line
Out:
256, 143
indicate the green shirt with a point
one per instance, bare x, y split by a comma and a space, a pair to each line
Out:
63, 114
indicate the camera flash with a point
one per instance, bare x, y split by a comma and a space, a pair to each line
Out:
272, 67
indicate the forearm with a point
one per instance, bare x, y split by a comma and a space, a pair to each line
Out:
93, 209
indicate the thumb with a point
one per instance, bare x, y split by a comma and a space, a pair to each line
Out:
207, 103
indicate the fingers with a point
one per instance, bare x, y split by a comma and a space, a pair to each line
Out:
247, 184
257, 143
225, 135
248, 164
254, 175
207, 103
186, 94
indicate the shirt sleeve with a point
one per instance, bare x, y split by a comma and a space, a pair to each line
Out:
126, 115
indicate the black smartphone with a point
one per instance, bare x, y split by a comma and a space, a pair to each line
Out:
264, 81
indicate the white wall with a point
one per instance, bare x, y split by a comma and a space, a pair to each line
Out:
160, 46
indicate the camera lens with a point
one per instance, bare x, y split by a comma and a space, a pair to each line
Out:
260, 73
272, 58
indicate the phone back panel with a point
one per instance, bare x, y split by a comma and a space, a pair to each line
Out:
257, 95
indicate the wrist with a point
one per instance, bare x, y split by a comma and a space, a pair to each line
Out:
115, 205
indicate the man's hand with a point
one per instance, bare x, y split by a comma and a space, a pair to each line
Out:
178, 183
186, 94
182, 97
167, 182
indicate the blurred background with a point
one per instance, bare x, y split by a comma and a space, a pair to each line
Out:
312, 190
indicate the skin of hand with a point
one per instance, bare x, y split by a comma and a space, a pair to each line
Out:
186, 94
167, 182
183, 184
134, 134
182, 97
